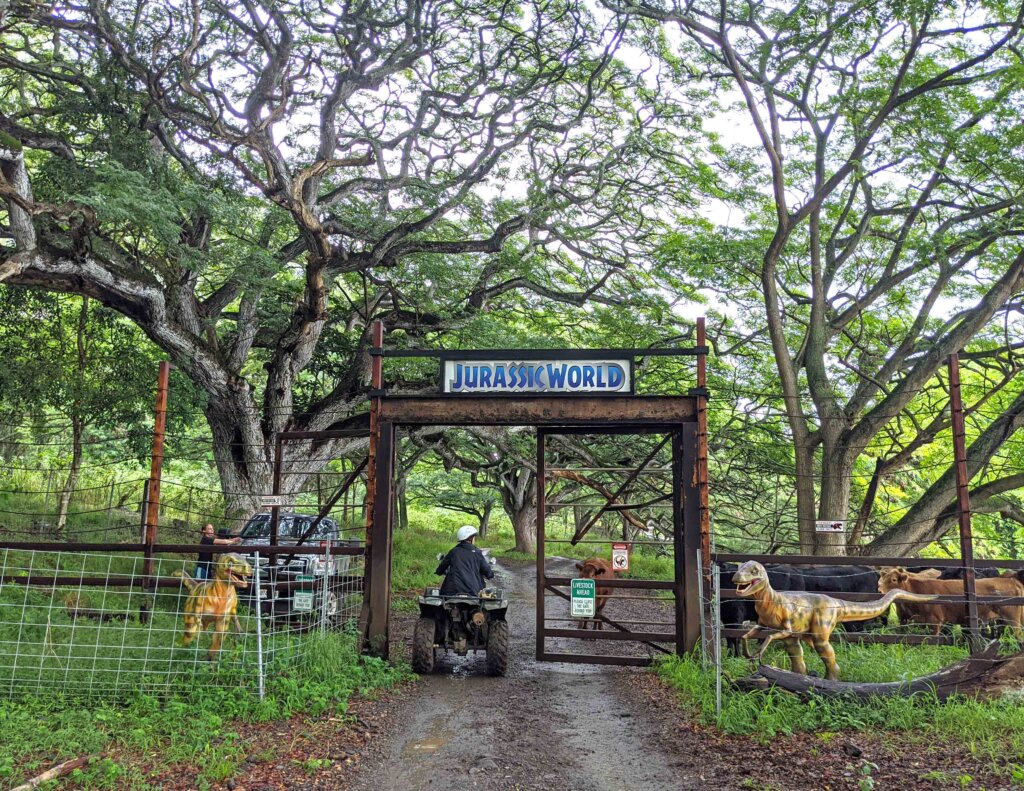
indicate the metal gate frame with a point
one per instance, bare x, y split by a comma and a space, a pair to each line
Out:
685, 415
686, 534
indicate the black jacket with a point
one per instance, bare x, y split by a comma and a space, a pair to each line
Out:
464, 570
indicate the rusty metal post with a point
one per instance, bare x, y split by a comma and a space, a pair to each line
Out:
275, 510
378, 595
144, 511
691, 538
153, 498
963, 499
368, 619
679, 556
542, 506
702, 454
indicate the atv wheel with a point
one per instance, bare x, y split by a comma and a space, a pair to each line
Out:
497, 648
423, 646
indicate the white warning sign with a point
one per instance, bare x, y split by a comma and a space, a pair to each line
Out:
620, 557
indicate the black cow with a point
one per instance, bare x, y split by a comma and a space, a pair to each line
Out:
957, 573
734, 612
843, 579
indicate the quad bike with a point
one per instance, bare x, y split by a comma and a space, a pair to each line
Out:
462, 624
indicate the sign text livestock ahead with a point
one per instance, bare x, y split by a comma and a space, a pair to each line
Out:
537, 376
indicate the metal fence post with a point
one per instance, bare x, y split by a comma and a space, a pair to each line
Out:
326, 585
259, 626
956, 409
716, 620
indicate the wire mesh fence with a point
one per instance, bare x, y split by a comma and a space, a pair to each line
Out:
105, 624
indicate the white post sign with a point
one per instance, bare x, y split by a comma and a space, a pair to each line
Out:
270, 500
620, 556
582, 598
830, 526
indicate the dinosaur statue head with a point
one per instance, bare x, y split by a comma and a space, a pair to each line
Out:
234, 569
750, 578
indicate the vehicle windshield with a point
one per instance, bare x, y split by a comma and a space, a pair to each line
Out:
289, 527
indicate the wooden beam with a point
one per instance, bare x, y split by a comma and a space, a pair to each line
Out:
593, 411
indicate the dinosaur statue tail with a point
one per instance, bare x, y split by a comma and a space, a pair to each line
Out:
186, 580
863, 610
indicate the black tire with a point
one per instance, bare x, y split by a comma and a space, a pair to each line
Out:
497, 648
423, 646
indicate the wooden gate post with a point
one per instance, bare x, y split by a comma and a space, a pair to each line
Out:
963, 498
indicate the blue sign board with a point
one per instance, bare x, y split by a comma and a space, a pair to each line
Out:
537, 376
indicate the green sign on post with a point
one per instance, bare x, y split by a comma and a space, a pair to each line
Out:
302, 600
582, 598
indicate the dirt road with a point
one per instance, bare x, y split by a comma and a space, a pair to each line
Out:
557, 727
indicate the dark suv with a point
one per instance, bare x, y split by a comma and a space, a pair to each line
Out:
297, 600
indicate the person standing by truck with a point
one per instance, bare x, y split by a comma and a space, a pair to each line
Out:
205, 559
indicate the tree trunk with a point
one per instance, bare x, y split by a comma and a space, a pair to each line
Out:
805, 497
836, 478
20, 226
244, 458
64, 500
403, 509
524, 523
77, 421
485, 519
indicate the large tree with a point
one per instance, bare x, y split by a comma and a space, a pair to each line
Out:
881, 192
252, 183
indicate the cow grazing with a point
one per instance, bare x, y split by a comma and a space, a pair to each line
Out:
936, 615
597, 569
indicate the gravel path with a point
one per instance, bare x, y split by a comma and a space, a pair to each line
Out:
551, 726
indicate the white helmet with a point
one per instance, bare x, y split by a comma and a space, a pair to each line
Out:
466, 531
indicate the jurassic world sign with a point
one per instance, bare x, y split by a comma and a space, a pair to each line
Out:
517, 377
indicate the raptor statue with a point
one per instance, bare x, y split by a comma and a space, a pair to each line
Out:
796, 617
214, 602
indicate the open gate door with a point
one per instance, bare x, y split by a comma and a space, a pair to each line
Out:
645, 505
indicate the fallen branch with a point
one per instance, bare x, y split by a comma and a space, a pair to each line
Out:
52, 774
942, 683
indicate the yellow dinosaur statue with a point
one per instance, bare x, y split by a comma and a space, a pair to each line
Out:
215, 601
810, 617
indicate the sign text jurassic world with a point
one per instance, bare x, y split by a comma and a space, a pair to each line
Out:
537, 376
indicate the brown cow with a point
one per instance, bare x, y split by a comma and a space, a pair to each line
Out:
596, 569
936, 615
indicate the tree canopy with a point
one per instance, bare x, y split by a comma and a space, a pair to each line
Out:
838, 185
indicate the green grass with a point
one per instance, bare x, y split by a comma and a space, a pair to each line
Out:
413, 564
43, 648
198, 729
990, 730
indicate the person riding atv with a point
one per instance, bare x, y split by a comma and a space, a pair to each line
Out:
462, 615
465, 567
